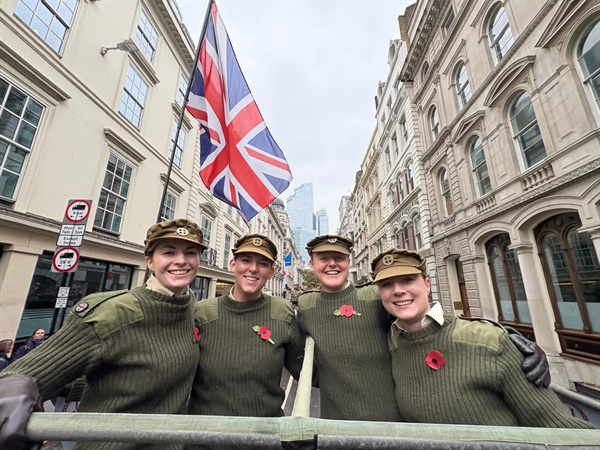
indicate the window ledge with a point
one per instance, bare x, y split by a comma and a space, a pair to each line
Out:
145, 66
123, 145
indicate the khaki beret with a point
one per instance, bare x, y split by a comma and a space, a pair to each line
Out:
397, 262
256, 243
329, 243
177, 229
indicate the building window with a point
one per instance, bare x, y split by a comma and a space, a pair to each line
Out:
394, 145
90, 277
226, 249
206, 226
463, 90
425, 70
146, 36
113, 195
19, 120
404, 130
405, 238
181, 89
446, 194
434, 122
572, 274
479, 167
49, 19
507, 281
501, 38
409, 177
417, 229
168, 209
588, 54
180, 144
133, 97
388, 159
448, 23
526, 130
400, 188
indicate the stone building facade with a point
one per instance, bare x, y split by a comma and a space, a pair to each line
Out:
507, 97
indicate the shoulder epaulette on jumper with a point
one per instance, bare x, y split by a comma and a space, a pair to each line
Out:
281, 309
479, 332
106, 317
368, 292
206, 310
308, 299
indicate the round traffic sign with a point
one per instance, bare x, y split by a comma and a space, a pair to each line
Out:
78, 210
65, 259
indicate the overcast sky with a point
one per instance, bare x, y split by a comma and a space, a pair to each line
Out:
313, 69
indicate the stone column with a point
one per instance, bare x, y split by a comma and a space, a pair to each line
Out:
479, 276
595, 236
17, 267
542, 315
212, 288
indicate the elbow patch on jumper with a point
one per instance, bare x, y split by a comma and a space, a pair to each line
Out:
477, 333
206, 310
281, 309
108, 311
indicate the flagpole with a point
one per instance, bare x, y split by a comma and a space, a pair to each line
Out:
182, 112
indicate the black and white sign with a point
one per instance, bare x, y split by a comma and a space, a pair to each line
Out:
61, 302
72, 230
65, 259
69, 241
78, 210
63, 291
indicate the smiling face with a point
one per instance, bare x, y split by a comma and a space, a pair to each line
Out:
251, 271
406, 297
174, 263
331, 269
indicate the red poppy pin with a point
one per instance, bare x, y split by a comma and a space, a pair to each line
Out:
197, 333
346, 311
264, 333
435, 359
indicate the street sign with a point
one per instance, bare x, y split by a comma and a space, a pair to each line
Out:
72, 230
69, 241
61, 302
78, 210
63, 291
65, 260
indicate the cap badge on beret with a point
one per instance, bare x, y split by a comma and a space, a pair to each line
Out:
332, 240
182, 232
257, 242
387, 260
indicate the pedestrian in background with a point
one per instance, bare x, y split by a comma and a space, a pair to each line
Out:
246, 339
350, 326
138, 349
6, 346
37, 338
454, 370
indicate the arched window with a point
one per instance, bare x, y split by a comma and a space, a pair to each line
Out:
409, 177
588, 54
526, 130
434, 121
572, 274
446, 194
479, 167
417, 230
463, 90
508, 284
501, 38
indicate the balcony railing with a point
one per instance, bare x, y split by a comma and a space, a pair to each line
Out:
209, 257
537, 177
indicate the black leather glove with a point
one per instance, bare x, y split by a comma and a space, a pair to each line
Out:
535, 365
19, 397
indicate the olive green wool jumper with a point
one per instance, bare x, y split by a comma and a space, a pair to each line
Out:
480, 382
137, 349
354, 367
239, 372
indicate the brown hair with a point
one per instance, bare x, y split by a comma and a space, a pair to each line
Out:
5, 346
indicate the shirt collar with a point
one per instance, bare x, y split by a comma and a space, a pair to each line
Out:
154, 285
435, 314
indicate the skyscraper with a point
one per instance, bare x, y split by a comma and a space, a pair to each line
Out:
321, 222
300, 207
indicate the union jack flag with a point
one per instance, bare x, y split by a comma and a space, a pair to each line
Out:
240, 162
